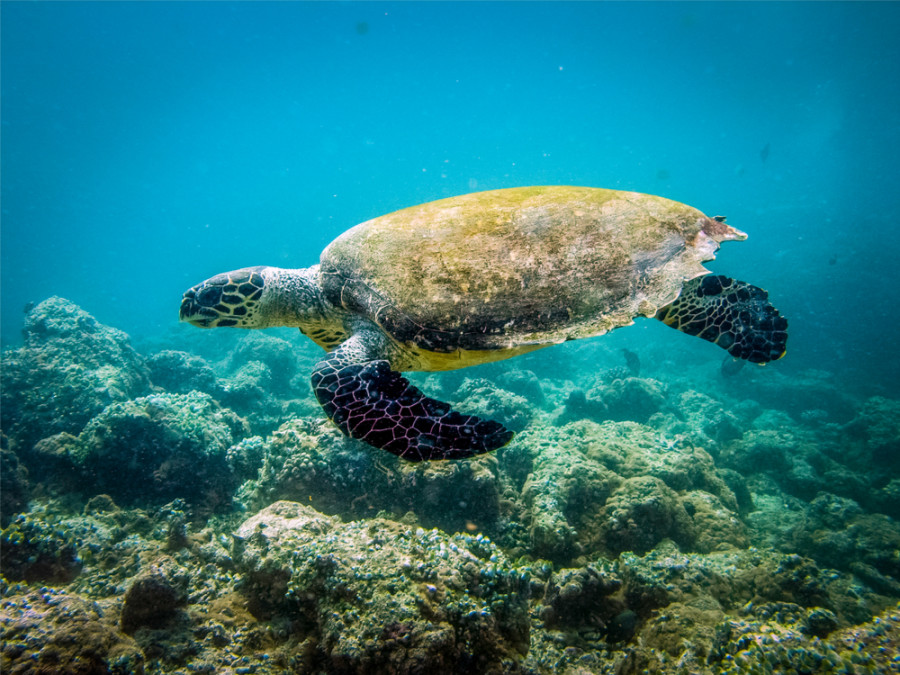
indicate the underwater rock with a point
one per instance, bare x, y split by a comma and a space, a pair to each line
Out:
804, 462
248, 392
837, 533
640, 513
682, 599
245, 458
452, 496
308, 460
522, 383
578, 407
477, 396
261, 549
14, 487
752, 646
612, 374
33, 550
151, 601
51, 631
622, 398
578, 468
683, 630
765, 450
179, 372
820, 622
795, 393
786, 454
69, 369
379, 596
887, 498
251, 392
633, 450
738, 486
157, 448
715, 527
707, 418
564, 488
633, 399
580, 597
278, 356
252, 380
877, 425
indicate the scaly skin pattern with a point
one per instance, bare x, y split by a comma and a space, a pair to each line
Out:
732, 314
228, 299
372, 403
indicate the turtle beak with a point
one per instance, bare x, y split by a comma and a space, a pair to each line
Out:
193, 312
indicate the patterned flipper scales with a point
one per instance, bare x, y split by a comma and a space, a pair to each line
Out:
370, 402
733, 314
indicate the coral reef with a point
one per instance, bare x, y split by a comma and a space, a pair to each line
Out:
69, 368
33, 550
482, 397
277, 356
309, 460
154, 448
50, 631
14, 487
194, 512
621, 486
381, 597
617, 396
151, 601
180, 372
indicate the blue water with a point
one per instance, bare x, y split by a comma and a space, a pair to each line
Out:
147, 146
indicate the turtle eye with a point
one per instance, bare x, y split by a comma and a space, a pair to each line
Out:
209, 296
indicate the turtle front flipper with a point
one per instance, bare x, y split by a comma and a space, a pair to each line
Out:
733, 314
370, 402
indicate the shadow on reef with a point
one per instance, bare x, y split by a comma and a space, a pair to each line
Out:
167, 512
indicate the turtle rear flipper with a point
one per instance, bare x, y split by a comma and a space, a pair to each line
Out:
733, 314
370, 402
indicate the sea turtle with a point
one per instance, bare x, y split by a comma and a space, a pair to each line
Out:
483, 277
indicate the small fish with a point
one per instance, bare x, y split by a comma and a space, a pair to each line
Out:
833, 260
632, 361
764, 153
28, 307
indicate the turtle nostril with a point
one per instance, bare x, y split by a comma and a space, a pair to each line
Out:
187, 305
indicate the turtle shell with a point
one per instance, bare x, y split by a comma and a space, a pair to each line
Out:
508, 269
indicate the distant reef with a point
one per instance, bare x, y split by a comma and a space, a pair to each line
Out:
181, 505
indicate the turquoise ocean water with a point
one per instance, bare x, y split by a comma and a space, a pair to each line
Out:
173, 500
148, 145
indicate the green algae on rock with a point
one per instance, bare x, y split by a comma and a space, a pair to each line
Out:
816, 594
379, 595
308, 460
14, 485
34, 550
179, 372
51, 631
617, 486
154, 449
70, 368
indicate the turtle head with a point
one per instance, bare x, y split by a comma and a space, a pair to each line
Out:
253, 297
